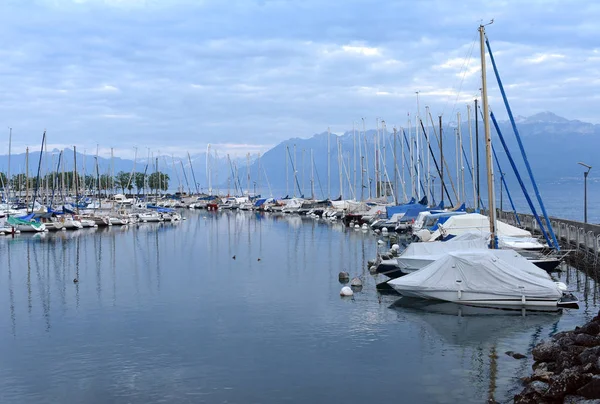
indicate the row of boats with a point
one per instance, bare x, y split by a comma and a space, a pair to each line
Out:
39, 218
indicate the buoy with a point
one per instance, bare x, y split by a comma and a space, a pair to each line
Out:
370, 262
380, 242
364, 226
2, 233
356, 226
384, 230
63, 229
346, 291
258, 259
344, 277
395, 247
377, 231
372, 269
356, 281
233, 257
75, 280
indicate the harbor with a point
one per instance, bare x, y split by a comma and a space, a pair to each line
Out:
165, 304
441, 254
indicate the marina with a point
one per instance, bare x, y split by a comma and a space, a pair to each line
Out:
163, 311
201, 279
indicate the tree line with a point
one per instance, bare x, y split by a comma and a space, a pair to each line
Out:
156, 181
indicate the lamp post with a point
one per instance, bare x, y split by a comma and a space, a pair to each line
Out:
585, 175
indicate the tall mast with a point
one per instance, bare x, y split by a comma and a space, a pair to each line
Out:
376, 157
208, 173
354, 155
418, 150
75, 176
472, 156
488, 142
27, 179
287, 176
462, 164
441, 160
9, 152
312, 175
340, 163
328, 163
395, 165
477, 153
362, 166
430, 197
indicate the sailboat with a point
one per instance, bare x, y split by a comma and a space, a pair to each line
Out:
486, 277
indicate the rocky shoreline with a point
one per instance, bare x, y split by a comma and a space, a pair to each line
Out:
566, 368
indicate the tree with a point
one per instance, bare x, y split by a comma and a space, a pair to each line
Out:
139, 180
122, 180
105, 181
3, 180
158, 180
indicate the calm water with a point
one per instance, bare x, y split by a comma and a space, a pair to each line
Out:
163, 313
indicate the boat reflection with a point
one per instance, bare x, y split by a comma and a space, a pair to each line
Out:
462, 325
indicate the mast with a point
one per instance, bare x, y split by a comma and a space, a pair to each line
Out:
9, 152
208, 173
75, 175
441, 160
26, 179
312, 175
395, 170
418, 150
376, 157
477, 152
430, 197
472, 156
488, 142
340, 162
328, 163
462, 163
193, 175
354, 155
362, 167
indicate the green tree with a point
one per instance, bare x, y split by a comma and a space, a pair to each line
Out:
3, 180
105, 181
122, 180
158, 181
139, 180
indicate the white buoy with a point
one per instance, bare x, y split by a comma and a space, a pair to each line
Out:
373, 269
356, 226
184, 218
356, 281
380, 242
346, 291
395, 247
2, 233
95, 225
17, 231
364, 226
63, 229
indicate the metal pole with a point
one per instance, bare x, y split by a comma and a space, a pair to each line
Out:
585, 175
441, 161
488, 142
477, 153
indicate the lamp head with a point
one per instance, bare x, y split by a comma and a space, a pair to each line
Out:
585, 165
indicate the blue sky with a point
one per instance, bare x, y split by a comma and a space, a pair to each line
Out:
174, 75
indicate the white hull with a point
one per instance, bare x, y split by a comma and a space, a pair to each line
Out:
483, 299
28, 228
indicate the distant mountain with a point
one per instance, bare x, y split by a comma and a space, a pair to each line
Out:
553, 144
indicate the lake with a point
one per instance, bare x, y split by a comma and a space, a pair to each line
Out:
164, 313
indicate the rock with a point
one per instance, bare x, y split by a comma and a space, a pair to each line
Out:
547, 351
515, 355
569, 381
542, 373
571, 399
591, 389
590, 355
562, 334
568, 358
591, 328
539, 387
587, 340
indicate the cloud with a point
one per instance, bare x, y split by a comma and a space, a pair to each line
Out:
179, 74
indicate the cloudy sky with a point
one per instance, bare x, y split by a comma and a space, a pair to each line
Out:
174, 75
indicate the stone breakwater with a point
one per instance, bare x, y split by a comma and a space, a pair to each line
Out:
566, 368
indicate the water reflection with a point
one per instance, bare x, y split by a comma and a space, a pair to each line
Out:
161, 305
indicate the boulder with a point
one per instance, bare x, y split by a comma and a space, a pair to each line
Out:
587, 340
590, 355
591, 328
515, 355
572, 399
547, 351
569, 381
591, 389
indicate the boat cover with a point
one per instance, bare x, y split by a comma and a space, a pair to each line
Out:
457, 225
498, 272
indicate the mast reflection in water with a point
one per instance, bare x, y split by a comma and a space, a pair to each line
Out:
163, 312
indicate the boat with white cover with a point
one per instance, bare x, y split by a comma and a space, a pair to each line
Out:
485, 278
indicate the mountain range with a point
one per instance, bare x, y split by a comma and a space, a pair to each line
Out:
553, 145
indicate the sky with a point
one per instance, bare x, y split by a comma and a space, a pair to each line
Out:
244, 75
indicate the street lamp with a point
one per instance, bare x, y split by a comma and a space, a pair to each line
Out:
585, 175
